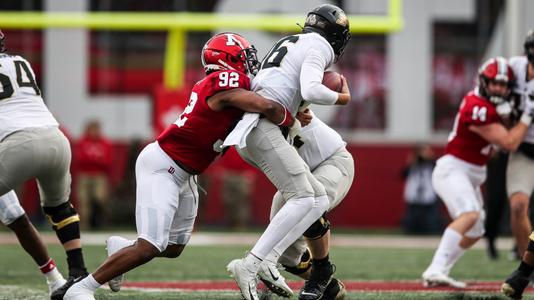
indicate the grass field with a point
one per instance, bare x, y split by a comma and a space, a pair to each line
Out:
19, 278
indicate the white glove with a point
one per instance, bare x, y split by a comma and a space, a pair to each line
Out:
293, 131
528, 111
504, 109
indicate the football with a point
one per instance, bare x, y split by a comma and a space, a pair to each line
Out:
332, 80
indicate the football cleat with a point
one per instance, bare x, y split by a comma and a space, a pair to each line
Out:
433, 279
334, 291
320, 278
271, 277
76, 292
514, 285
245, 279
55, 285
114, 244
59, 293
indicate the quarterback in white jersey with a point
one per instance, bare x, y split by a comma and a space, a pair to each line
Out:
520, 170
323, 150
291, 72
32, 146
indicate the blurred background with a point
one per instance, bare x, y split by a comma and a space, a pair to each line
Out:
106, 88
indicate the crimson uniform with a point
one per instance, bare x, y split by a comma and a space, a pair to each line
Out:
464, 143
191, 140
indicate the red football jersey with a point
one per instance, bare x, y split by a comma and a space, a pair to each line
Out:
190, 141
464, 143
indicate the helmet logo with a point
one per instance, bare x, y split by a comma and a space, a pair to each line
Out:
342, 19
312, 19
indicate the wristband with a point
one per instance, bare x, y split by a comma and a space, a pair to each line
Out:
526, 119
287, 118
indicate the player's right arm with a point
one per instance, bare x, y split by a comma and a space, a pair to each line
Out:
252, 102
497, 134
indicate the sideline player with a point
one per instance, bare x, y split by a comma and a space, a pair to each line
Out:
32, 146
324, 151
167, 198
290, 73
520, 170
461, 171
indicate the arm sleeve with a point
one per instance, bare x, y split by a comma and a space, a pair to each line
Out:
311, 78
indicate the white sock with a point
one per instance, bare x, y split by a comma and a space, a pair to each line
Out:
320, 206
89, 283
448, 252
284, 221
53, 275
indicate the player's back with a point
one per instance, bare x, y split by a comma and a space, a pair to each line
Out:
279, 76
464, 143
192, 141
21, 105
523, 88
316, 142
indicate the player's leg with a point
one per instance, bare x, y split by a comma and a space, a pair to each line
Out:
336, 174
516, 283
157, 199
461, 194
307, 201
519, 185
13, 216
52, 150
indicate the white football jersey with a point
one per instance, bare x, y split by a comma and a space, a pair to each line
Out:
317, 142
523, 88
294, 60
21, 105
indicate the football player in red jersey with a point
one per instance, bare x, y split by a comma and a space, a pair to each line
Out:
461, 171
167, 198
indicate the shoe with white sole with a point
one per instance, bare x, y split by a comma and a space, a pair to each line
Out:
114, 244
432, 279
271, 277
245, 279
77, 292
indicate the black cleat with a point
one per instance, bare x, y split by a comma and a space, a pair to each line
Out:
514, 285
315, 287
334, 291
73, 278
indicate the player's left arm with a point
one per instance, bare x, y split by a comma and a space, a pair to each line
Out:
252, 102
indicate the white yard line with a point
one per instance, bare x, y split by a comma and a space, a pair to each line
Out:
231, 238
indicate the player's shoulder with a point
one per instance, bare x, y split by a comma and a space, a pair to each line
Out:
313, 40
518, 63
477, 108
473, 98
223, 80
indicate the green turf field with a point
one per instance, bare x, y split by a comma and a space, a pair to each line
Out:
19, 278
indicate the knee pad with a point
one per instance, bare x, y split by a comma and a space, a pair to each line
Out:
65, 221
318, 229
303, 266
478, 229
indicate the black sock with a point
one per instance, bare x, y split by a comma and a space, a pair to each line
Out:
525, 269
75, 262
321, 262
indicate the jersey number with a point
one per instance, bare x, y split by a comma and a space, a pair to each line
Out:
275, 56
188, 109
228, 79
23, 72
479, 113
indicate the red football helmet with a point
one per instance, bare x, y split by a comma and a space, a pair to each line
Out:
495, 70
229, 51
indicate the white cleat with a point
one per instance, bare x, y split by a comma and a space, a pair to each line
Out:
271, 277
245, 279
433, 279
76, 292
114, 244
56, 284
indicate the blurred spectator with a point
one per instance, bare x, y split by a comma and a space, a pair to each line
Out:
422, 209
496, 198
237, 180
93, 155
